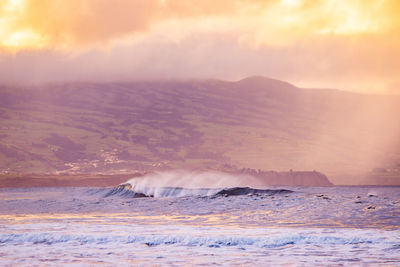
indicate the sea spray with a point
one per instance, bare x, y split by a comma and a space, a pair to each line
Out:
187, 183
188, 179
183, 184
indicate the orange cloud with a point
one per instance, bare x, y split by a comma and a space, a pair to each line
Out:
67, 23
41, 23
350, 44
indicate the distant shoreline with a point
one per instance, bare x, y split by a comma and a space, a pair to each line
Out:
71, 180
102, 180
265, 178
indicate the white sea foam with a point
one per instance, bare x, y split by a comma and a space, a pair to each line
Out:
173, 191
329, 226
189, 240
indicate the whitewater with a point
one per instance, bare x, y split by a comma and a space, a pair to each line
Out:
164, 220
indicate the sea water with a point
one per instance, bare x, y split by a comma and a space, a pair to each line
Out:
298, 226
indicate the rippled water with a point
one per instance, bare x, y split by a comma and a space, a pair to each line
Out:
331, 226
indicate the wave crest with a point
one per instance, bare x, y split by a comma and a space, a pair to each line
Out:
185, 183
126, 190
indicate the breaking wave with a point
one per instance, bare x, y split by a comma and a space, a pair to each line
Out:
183, 183
126, 190
187, 240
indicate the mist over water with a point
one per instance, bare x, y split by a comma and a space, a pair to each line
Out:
186, 183
194, 179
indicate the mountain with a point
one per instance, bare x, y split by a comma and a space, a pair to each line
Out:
256, 122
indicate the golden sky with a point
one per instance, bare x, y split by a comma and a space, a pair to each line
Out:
346, 44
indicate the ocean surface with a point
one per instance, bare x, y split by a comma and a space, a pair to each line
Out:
175, 226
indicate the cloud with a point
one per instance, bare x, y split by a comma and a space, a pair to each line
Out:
71, 23
66, 23
334, 63
350, 45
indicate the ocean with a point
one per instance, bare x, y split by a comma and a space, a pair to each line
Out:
175, 226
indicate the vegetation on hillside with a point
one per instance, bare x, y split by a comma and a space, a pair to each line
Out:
256, 122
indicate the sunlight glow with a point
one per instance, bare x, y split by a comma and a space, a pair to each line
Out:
12, 5
37, 24
23, 39
16, 38
291, 3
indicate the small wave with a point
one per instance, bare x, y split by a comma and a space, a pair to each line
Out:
124, 190
187, 240
127, 190
238, 191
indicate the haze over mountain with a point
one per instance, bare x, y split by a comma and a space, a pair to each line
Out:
256, 122
352, 45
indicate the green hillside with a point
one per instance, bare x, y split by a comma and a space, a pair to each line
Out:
257, 122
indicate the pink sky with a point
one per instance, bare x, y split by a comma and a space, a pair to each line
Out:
351, 45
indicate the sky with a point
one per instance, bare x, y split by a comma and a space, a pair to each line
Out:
350, 45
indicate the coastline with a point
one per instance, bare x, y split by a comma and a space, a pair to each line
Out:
264, 178
64, 180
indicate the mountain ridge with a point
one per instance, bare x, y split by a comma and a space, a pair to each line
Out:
255, 122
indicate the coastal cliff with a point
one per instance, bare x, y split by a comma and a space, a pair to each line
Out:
292, 178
